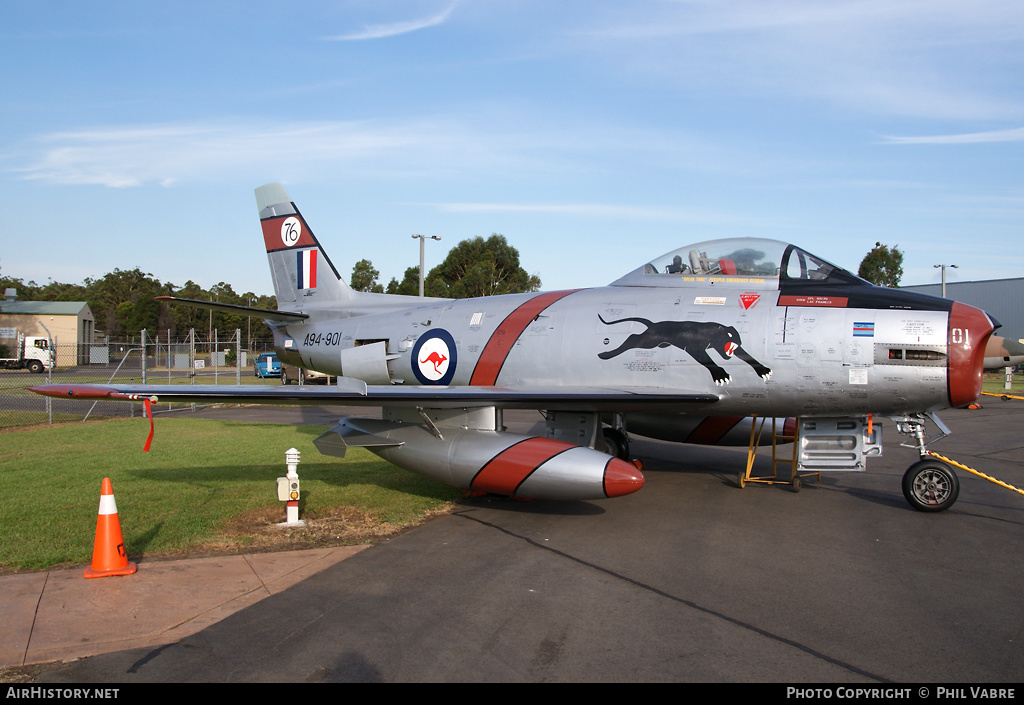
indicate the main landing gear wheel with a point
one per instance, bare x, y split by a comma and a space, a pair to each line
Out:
616, 444
930, 486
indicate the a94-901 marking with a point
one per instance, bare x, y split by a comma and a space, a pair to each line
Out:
324, 339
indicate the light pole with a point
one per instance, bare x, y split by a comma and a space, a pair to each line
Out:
943, 267
421, 238
248, 329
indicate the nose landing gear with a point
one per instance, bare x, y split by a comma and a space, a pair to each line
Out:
929, 485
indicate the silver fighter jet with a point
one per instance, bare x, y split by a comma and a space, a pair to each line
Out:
686, 347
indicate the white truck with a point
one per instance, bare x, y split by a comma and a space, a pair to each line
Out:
33, 353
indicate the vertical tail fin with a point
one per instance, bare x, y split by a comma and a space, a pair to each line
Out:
301, 270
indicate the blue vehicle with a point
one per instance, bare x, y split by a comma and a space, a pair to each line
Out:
267, 365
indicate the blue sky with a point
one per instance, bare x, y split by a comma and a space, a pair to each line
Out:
594, 135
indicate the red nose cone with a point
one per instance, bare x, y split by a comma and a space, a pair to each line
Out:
621, 478
969, 330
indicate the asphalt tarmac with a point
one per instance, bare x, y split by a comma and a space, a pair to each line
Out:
690, 579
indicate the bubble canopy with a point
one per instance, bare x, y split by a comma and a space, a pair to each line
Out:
738, 260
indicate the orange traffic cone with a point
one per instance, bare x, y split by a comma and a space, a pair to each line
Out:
109, 556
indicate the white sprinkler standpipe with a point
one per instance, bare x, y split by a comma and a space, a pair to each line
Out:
288, 489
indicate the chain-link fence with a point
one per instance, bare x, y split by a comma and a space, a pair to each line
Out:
144, 360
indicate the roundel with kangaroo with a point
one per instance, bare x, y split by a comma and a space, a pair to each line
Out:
434, 357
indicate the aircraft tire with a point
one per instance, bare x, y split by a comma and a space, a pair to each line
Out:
930, 486
616, 443
284, 378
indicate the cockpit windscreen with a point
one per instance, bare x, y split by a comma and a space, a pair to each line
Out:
740, 258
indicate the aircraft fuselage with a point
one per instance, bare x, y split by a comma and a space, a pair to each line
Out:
756, 348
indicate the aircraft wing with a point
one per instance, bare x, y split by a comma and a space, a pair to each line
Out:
351, 392
450, 433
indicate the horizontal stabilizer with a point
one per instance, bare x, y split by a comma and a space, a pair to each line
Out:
264, 313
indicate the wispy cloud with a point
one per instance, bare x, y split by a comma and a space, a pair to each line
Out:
941, 21
598, 210
1013, 135
441, 146
903, 57
164, 154
380, 31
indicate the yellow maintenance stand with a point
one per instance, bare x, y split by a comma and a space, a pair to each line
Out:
779, 437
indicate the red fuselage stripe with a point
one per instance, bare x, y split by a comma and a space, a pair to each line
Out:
712, 429
492, 359
509, 468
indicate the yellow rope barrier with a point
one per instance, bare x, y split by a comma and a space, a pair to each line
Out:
975, 472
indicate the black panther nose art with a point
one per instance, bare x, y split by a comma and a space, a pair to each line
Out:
695, 338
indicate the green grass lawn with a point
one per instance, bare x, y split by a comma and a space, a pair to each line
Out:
205, 486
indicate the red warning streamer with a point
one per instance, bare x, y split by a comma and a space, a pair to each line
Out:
149, 413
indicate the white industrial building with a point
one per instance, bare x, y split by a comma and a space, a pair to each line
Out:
69, 324
1001, 298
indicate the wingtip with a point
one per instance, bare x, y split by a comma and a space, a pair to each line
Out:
74, 391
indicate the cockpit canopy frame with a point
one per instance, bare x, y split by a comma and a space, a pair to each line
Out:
740, 261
